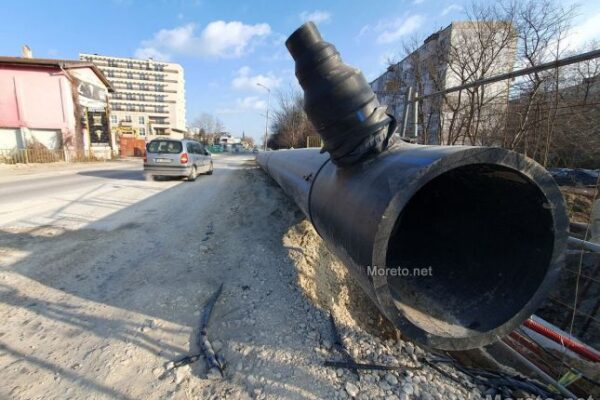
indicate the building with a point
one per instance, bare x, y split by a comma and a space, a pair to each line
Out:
53, 105
460, 53
149, 96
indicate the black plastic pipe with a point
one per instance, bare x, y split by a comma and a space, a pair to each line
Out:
456, 245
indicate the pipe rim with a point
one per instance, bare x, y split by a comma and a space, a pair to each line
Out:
465, 157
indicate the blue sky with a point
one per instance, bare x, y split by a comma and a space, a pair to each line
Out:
226, 46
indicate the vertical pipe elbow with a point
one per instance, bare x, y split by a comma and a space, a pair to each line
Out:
338, 100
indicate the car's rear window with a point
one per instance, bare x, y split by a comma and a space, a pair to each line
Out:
164, 146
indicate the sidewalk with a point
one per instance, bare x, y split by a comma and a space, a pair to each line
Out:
22, 170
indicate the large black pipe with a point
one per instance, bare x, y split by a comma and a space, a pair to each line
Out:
489, 222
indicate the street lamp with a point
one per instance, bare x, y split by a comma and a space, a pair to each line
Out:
268, 105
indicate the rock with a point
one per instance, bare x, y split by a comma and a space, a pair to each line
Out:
339, 372
251, 380
170, 365
391, 379
180, 375
408, 389
410, 349
157, 372
383, 385
217, 345
352, 389
425, 396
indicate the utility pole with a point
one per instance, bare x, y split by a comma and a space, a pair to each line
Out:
407, 101
268, 105
416, 116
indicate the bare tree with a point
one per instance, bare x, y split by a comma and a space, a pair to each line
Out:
208, 128
541, 28
289, 125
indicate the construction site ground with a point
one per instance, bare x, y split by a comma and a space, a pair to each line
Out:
103, 276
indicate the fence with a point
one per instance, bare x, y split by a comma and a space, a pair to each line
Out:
314, 141
37, 155
43, 155
549, 112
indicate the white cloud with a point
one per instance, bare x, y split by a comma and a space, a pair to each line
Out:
151, 52
363, 31
316, 16
396, 29
451, 8
219, 39
250, 103
583, 33
244, 80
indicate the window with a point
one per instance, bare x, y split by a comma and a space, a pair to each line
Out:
165, 146
110, 74
142, 97
142, 108
112, 63
130, 107
141, 120
160, 78
129, 85
127, 118
142, 131
160, 98
129, 96
129, 64
129, 75
117, 106
113, 119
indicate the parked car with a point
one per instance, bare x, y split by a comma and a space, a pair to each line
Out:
175, 157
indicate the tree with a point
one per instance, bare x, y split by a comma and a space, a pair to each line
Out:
208, 128
290, 125
547, 115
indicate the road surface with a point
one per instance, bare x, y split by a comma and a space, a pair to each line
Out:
103, 276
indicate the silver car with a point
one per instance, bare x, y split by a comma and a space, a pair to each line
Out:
175, 157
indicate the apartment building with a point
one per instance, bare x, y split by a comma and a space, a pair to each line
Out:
149, 95
460, 53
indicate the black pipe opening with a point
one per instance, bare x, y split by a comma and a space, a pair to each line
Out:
486, 231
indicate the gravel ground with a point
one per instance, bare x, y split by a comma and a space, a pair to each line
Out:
96, 305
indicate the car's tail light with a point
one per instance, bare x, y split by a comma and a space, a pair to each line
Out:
145, 158
184, 158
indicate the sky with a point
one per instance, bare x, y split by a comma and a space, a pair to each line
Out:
227, 47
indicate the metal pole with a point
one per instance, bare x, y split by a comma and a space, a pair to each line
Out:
268, 106
293, 123
525, 71
406, 110
595, 247
416, 111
